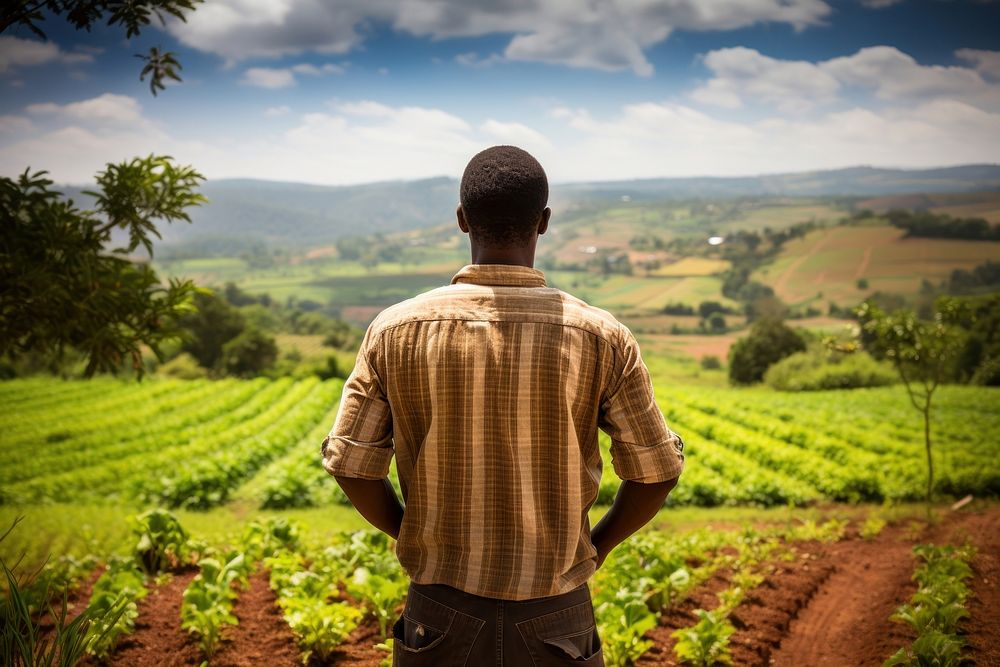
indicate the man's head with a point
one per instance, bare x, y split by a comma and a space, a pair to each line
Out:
504, 194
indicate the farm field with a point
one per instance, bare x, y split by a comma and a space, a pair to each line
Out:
796, 506
827, 264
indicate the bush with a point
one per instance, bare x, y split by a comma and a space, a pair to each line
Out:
768, 342
184, 367
248, 354
818, 369
710, 362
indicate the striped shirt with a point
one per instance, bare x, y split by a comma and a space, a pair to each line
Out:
490, 392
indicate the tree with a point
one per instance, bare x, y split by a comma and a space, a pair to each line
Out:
133, 15
248, 354
922, 352
769, 341
209, 326
60, 286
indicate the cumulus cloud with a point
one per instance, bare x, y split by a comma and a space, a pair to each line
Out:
266, 77
986, 63
608, 35
276, 78
363, 140
16, 52
105, 109
15, 125
276, 112
742, 75
668, 139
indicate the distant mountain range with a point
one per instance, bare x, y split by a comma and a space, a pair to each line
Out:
296, 214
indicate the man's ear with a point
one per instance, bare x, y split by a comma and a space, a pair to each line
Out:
543, 224
463, 224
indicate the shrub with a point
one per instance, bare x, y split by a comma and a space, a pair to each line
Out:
768, 342
817, 369
710, 362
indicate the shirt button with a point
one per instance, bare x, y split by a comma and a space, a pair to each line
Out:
420, 631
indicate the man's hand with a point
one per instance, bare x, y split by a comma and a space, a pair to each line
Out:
376, 501
634, 506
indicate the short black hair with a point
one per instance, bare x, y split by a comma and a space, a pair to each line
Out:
504, 191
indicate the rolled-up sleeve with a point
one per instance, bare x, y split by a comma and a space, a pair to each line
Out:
360, 443
643, 449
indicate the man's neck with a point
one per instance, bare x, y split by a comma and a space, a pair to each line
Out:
511, 256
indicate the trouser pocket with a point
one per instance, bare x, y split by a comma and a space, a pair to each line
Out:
432, 633
565, 637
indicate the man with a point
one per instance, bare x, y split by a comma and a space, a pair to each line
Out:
489, 392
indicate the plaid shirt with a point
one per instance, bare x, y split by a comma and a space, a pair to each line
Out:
490, 392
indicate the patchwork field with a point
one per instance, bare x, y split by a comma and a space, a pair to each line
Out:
827, 264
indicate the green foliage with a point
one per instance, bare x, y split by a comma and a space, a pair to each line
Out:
923, 353
937, 608
63, 287
184, 367
210, 325
24, 641
248, 354
768, 342
706, 643
818, 368
207, 606
711, 362
304, 595
872, 527
113, 604
162, 543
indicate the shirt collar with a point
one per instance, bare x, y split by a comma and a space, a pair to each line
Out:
507, 275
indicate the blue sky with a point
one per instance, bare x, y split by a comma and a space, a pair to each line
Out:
366, 90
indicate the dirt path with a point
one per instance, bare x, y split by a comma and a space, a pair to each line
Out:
262, 636
865, 261
158, 638
847, 621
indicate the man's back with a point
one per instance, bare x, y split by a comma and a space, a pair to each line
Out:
491, 392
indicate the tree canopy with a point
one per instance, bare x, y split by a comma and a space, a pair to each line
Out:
61, 283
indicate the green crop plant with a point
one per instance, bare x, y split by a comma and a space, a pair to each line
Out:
113, 600
208, 600
706, 643
162, 542
936, 609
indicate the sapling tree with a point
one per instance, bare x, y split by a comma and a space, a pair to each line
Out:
922, 352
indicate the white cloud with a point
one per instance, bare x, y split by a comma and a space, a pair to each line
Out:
363, 140
985, 62
742, 75
276, 78
668, 139
607, 35
15, 125
16, 52
276, 112
313, 70
266, 77
107, 108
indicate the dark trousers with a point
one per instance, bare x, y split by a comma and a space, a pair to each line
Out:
442, 626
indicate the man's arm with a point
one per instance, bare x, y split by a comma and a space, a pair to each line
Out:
376, 501
634, 506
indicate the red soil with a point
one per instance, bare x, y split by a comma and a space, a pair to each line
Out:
830, 606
